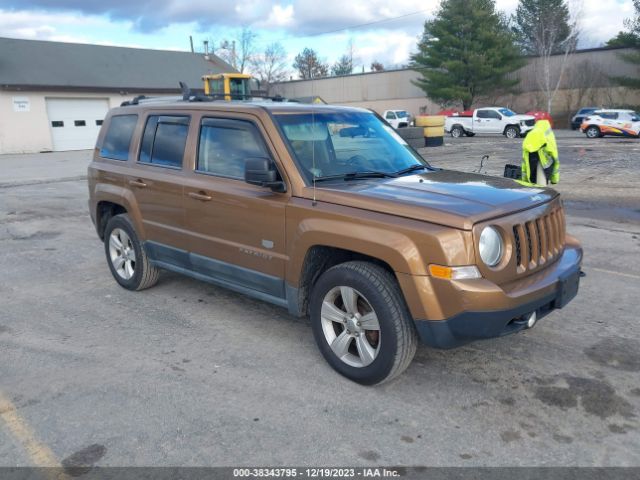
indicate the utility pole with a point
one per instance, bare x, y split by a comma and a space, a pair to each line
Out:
191, 42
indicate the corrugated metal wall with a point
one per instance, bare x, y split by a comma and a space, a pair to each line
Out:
585, 69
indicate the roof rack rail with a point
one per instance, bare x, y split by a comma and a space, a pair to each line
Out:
188, 96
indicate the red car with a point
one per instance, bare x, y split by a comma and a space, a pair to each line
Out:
541, 115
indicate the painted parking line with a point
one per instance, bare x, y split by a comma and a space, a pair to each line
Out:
612, 272
40, 454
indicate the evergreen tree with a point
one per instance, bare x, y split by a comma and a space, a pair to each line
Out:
542, 26
309, 65
465, 52
633, 36
344, 66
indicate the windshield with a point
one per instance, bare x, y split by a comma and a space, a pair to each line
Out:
402, 114
342, 143
506, 112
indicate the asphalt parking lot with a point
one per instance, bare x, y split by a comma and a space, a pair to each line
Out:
190, 374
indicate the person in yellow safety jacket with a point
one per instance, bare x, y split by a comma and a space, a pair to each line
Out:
540, 163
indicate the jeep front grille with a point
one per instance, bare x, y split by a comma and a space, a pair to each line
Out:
539, 241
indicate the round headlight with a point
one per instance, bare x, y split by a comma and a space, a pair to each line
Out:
490, 246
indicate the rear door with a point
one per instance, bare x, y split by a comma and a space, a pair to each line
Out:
236, 230
156, 182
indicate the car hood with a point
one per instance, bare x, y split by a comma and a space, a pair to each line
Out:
519, 117
444, 197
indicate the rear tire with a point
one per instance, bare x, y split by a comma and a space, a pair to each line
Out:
126, 256
457, 131
361, 323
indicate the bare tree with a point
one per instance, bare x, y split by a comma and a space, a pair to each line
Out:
549, 66
270, 66
239, 51
376, 66
344, 65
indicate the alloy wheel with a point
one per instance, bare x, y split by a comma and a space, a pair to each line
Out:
122, 254
350, 326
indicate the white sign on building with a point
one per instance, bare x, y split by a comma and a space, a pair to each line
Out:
21, 104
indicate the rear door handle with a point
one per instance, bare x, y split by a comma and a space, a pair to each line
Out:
203, 197
137, 183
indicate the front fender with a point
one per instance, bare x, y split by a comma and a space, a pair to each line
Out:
391, 247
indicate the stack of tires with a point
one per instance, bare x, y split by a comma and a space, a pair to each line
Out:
414, 136
433, 129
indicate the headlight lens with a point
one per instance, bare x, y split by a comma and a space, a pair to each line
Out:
490, 246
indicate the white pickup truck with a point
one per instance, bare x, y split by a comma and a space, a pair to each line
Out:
491, 120
398, 118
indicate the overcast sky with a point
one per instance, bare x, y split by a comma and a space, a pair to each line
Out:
324, 25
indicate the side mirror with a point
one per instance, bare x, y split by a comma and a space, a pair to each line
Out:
261, 172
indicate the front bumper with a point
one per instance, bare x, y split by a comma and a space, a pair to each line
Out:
542, 292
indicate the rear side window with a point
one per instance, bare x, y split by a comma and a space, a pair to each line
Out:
164, 140
225, 146
118, 138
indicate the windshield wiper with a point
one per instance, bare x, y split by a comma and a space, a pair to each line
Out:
412, 168
356, 175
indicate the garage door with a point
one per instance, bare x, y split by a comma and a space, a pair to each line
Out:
75, 122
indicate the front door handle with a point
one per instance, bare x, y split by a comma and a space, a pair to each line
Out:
203, 197
137, 183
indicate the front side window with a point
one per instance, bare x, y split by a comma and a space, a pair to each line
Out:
390, 116
118, 138
164, 140
328, 144
225, 145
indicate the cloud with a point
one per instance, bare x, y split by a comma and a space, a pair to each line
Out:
298, 16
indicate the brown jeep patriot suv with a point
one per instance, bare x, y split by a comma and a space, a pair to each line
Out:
326, 211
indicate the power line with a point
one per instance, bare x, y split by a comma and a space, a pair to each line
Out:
352, 27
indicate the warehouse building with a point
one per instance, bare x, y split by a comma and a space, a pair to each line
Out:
54, 96
585, 79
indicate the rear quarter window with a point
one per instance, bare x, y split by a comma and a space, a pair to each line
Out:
118, 137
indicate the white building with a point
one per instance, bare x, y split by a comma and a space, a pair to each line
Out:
53, 96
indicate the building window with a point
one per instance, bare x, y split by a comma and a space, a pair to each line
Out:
80, 123
99, 123
164, 140
118, 138
225, 145
57, 124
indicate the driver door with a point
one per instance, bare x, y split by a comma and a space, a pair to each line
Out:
237, 230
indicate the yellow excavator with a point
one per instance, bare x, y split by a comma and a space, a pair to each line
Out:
230, 86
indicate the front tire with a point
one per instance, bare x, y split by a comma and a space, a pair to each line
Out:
512, 132
361, 323
126, 256
593, 132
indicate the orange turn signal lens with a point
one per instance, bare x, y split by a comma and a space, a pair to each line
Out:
466, 272
439, 271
